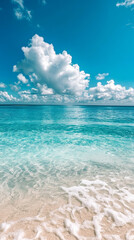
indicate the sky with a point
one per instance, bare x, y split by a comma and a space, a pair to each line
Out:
67, 52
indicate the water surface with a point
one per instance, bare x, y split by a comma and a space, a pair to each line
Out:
49, 152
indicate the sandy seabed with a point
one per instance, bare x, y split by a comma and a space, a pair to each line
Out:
90, 210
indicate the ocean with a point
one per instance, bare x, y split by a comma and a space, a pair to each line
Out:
66, 172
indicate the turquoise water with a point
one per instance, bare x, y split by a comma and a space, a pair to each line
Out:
66, 172
41, 144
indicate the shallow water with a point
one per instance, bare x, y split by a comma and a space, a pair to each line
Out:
66, 172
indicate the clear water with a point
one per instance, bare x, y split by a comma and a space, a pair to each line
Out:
45, 148
41, 144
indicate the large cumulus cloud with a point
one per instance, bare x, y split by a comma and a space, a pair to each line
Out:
47, 77
55, 71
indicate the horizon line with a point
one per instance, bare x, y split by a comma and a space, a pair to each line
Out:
90, 105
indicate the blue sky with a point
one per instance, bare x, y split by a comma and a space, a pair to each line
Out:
98, 36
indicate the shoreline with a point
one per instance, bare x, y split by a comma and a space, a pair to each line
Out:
90, 210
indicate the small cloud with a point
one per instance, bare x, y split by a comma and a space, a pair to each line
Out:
0, 9
20, 11
22, 78
14, 87
2, 85
101, 76
130, 25
44, 90
19, 2
21, 14
24, 92
14, 68
126, 3
29, 15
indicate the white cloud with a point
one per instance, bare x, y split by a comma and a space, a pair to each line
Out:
126, 3
19, 2
21, 14
28, 96
111, 91
54, 71
5, 97
55, 80
22, 78
44, 90
33, 77
24, 92
101, 76
20, 11
14, 87
25, 96
14, 68
2, 85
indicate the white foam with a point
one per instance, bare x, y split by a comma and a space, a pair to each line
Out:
73, 228
97, 225
112, 237
5, 226
130, 235
119, 218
